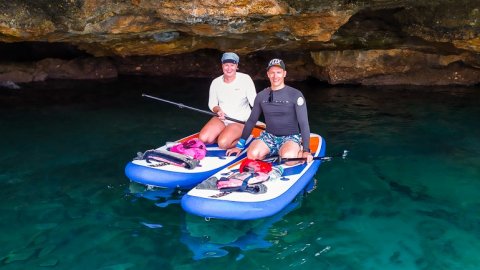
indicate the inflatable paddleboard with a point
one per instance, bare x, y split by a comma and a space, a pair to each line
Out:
241, 205
154, 173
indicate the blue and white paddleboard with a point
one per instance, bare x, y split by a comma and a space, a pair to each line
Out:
244, 205
153, 173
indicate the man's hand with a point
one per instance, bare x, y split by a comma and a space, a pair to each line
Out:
238, 147
233, 151
308, 156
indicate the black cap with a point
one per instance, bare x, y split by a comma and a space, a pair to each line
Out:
276, 62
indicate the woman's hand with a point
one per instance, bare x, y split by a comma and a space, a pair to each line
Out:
220, 114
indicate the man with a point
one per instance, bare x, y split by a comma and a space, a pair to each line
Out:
285, 112
231, 94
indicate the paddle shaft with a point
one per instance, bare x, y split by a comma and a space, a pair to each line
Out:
343, 155
181, 106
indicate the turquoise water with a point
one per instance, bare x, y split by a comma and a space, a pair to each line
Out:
407, 197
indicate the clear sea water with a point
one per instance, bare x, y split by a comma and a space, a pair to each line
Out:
407, 196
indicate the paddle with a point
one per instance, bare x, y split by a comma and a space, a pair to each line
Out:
181, 106
324, 158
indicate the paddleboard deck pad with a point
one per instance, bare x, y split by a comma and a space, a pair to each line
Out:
160, 174
241, 205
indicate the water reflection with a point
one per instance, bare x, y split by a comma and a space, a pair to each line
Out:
162, 197
213, 238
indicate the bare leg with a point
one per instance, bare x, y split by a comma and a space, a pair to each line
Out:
290, 149
211, 130
229, 136
257, 150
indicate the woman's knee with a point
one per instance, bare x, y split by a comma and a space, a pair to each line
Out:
206, 138
224, 143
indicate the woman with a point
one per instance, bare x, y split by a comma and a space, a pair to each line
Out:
231, 94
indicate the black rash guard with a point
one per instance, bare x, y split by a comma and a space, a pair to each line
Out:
285, 113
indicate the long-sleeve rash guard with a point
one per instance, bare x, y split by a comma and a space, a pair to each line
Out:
285, 113
234, 98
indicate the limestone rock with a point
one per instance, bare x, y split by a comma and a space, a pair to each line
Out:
401, 37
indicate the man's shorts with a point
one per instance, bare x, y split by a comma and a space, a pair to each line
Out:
275, 142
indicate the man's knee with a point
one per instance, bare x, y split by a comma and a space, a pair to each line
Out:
255, 153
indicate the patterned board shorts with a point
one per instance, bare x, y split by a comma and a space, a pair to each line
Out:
275, 142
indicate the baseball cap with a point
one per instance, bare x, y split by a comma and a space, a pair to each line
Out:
276, 62
230, 57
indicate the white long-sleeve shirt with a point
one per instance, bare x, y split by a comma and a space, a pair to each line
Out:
234, 98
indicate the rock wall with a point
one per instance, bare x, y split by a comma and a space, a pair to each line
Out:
340, 42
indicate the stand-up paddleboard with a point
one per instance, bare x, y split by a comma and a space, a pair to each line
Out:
241, 205
155, 173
